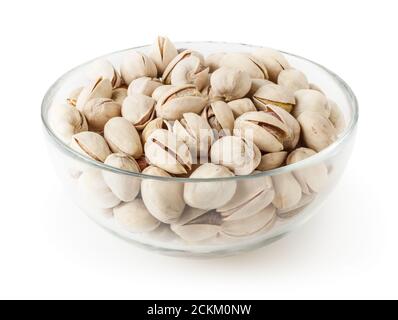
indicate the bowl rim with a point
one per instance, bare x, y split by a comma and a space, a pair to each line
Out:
319, 157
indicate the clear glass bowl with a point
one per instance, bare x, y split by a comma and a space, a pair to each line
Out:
227, 238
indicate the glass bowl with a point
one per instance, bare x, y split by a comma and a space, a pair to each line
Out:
222, 237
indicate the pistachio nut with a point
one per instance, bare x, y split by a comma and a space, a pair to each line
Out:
273, 60
311, 100
103, 68
73, 95
98, 111
163, 52
276, 95
123, 137
134, 217
313, 86
143, 85
179, 100
160, 91
318, 131
236, 154
257, 84
136, 65
220, 117
157, 123
287, 191
166, 151
241, 106
90, 144
163, 199
272, 160
311, 178
230, 84
99, 88
293, 79
245, 62
213, 61
189, 215
190, 71
125, 187
139, 109
297, 208
209, 195
336, 117
118, 95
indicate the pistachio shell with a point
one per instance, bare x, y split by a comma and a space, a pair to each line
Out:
190, 71
189, 215
90, 144
275, 95
257, 84
294, 210
287, 191
220, 117
103, 68
313, 86
272, 160
136, 65
273, 60
196, 232
73, 96
293, 79
163, 52
139, 109
99, 88
245, 62
143, 85
241, 106
213, 60
336, 117
160, 91
98, 111
119, 94
157, 123
311, 100
229, 83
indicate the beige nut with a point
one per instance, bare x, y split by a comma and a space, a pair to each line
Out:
293, 79
99, 111
257, 84
275, 95
163, 52
241, 106
143, 85
336, 117
245, 62
73, 96
136, 65
220, 117
230, 84
118, 95
139, 109
213, 60
273, 60
157, 123
90, 144
190, 71
273, 160
103, 68
99, 88
160, 91
287, 191
311, 100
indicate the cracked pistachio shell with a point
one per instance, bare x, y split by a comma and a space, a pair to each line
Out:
134, 217
248, 226
241, 106
276, 95
90, 144
190, 71
160, 91
236, 154
220, 117
139, 109
163, 199
166, 151
93, 190
336, 117
293, 79
213, 60
287, 191
99, 88
123, 137
125, 187
143, 85
209, 195
163, 52
67, 121
245, 62
317, 131
272, 160
266, 131
294, 210
179, 100
119, 94
105, 69
257, 84
73, 95
312, 178
157, 123
99, 111
230, 84
189, 215
136, 65
273, 60
311, 100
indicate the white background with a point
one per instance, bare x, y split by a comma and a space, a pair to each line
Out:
48, 249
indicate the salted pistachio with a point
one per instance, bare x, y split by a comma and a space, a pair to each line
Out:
336, 117
251, 225
209, 195
179, 100
311, 100
276, 95
272, 160
230, 84
139, 109
67, 121
166, 151
297, 208
273, 60
160, 91
123, 137
293, 79
268, 132
245, 62
136, 65
73, 95
118, 95
213, 60
257, 84
105, 69
90, 144
190, 71
317, 131
163, 52
143, 85
163, 199
315, 87
157, 123
196, 133
236, 154
125, 187
241, 106
220, 117
134, 217
99, 88
287, 191
98, 111
311, 178
92, 190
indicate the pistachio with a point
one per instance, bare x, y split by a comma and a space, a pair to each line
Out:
241, 106
236, 154
138, 109
220, 117
209, 195
190, 71
297, 208
293, 79
273, 60
179, 100
230, 84
311, 100
103, 68
123, 137
272, 160
125, 187
315, 87
336, 117
160, 91
157, 123
99, 88
118, 95
257, 84
163, 52
213, 60
166, 151
189, 215
98, 111
245, 62
163, 199
90, 144
73, 96
287, 191
143, 85
136, 65
275, 95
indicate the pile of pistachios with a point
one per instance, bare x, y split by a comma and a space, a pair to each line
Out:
176, 113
